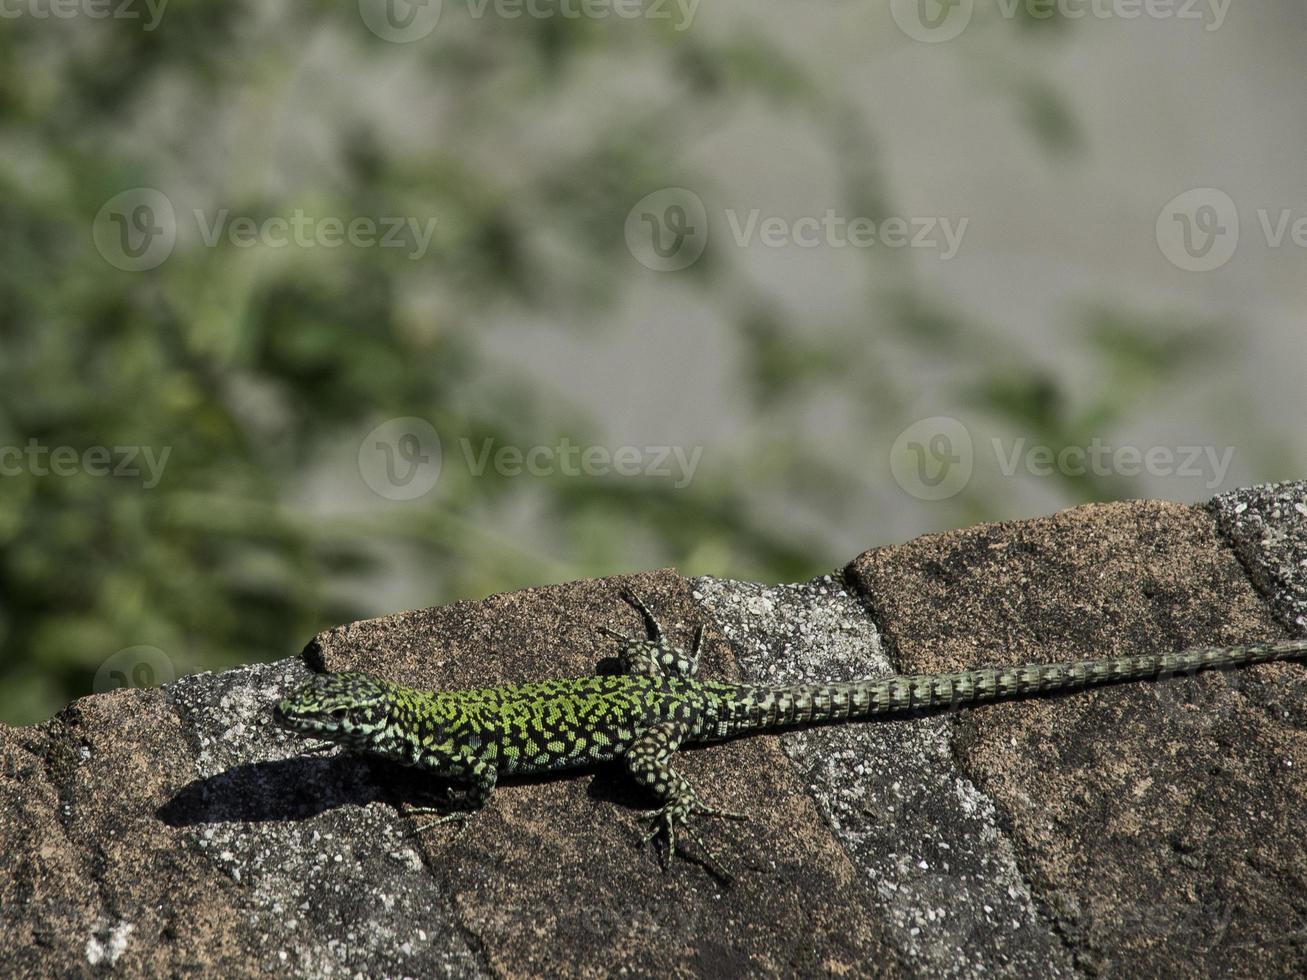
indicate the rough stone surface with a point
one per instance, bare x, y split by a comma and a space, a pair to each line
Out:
1159, 823
1268, 527
1142, 830
90, 878
925, 840
186, 836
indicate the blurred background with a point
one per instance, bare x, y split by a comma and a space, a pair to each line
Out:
314, 314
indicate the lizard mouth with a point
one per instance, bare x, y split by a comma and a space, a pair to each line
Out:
286, 716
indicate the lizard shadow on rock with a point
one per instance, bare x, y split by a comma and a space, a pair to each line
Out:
285, 789
305, 786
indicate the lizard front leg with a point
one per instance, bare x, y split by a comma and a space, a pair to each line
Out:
649, 761
478, 778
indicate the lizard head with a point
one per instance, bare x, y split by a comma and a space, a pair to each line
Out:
349, 708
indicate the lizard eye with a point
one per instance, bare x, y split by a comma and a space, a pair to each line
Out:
339, 713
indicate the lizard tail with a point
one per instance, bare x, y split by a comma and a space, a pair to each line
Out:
771, 707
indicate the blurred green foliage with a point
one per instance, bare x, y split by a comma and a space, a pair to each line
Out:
255, 366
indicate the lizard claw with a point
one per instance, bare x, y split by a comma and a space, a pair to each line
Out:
445, 814
460, 817
708, 811
662, 821
676, 814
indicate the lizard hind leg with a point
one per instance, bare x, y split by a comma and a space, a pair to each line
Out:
650, 620
649, 761
657, 659
656, 656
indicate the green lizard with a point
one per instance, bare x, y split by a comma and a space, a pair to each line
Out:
643, 715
